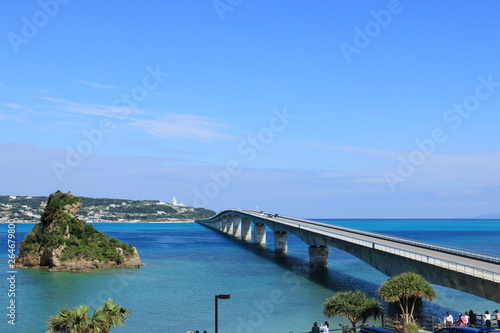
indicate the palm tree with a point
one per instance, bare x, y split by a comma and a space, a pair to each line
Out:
111, 314
70, 321
78, 320
404, 289
354, 305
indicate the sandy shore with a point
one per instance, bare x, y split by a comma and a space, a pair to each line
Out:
167, 221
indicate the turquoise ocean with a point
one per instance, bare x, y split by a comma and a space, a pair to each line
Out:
188, 264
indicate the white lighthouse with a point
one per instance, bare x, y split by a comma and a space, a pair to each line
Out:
174, 201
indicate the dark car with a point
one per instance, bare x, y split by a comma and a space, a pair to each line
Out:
464, 329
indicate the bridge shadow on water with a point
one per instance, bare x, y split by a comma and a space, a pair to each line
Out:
333, 279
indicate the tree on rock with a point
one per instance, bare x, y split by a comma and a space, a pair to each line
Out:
61, 241
404, 289
354, 305
78, 320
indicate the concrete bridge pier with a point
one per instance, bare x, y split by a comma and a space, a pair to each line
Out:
229, 225
246, 229
259, 234
318, 256
280, 242
224, 224
218, 225
237, 226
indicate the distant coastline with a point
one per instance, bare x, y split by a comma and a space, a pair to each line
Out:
114, 222
28, 209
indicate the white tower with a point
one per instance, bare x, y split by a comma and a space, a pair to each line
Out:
174, 201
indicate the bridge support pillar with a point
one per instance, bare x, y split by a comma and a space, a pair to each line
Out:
318, 256
237, 226
259, 237
229, 225
246, 230
280, 242
224, 224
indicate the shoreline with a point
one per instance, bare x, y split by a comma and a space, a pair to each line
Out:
168, 221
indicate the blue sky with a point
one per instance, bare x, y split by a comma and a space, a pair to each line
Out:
317, 109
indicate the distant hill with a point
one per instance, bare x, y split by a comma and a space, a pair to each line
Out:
29, 209
488, 217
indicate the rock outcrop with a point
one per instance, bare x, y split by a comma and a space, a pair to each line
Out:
62, 242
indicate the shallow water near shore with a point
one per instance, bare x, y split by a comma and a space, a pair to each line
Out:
188, 264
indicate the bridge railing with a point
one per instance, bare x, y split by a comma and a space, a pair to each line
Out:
451, 265
443, 248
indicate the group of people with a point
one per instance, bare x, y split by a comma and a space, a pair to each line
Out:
469, 318
324, 328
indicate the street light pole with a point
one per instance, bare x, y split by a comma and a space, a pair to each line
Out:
222, 296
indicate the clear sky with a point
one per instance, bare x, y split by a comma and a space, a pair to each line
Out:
315, 109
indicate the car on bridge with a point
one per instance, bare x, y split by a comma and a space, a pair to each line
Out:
464, 329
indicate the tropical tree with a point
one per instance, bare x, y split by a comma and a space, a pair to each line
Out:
70, 321
111, 314
354, 305
78, 320
405, 289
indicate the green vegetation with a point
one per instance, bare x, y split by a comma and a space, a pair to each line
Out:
405, 289
60, 229
411, 326
78, 320
354, 305
30, 209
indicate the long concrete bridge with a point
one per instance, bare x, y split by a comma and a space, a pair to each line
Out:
472, 272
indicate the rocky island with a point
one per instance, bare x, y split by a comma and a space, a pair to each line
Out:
62, 242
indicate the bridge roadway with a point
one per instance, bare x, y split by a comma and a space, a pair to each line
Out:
468, 271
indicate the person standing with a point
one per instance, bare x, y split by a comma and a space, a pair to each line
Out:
472, 318
461, 320
315, 328
487, 319
497, 317
324, 328
466, 316
448, 319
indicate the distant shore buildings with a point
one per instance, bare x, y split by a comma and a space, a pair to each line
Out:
174, 202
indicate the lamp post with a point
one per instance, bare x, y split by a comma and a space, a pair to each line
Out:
222, 296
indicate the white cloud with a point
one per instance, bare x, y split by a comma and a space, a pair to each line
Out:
466, 172
13, 106
92, 84
29, 170
167, 126
101, 110
13, 112
187, 126
386, 154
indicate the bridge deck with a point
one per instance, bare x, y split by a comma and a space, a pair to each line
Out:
469, 271
322, 227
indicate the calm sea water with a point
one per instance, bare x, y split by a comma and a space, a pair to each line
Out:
187, 264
